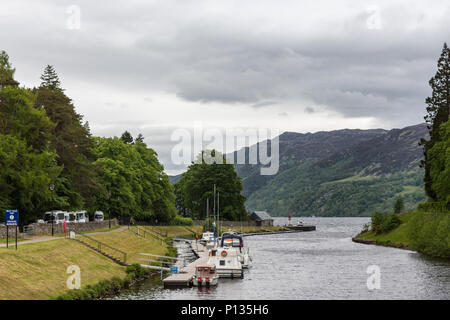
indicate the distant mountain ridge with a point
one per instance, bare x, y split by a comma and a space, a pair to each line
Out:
340, 173
349, 172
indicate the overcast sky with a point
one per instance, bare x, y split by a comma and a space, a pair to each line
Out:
151, 67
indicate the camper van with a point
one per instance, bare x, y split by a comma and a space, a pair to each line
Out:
57, 216
81, 216
99, 216
72, 217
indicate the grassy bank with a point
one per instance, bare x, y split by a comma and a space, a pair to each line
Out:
38, 270
428, 233
396, 238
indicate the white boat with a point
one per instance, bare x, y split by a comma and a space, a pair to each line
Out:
207, 236
227, 262
208, 239
206, 275
235, 242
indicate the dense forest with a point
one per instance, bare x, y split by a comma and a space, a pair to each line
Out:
44, 142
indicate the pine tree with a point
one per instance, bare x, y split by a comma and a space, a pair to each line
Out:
399, 205
139, 138
438, 113
6, 71
50, 79
127, 138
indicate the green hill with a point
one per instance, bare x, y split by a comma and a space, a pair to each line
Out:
340, 173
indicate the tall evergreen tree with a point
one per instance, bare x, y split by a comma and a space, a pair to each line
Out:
127, 138
139, 138
6, 71
72, 141
50, 79
438, 113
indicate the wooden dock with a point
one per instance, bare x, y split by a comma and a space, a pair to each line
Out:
185, 276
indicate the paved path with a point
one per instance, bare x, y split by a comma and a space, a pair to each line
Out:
49, 238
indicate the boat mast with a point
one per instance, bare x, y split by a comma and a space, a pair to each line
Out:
215, 225
207, 214
218, 214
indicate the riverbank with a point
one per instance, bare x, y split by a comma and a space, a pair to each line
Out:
39, 270
397, 238
427, 233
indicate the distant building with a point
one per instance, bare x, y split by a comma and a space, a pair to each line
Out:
262, 218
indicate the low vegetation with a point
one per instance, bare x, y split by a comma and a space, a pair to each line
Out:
421, 231
38, 270
106, 288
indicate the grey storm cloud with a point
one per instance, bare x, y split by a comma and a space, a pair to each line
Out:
201, 54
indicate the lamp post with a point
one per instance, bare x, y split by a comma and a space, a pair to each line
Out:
52, 188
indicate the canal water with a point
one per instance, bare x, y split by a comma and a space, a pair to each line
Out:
322, 264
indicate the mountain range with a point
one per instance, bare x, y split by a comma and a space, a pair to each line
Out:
347, 172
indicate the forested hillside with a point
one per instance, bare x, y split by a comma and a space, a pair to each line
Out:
341, 173
44, 142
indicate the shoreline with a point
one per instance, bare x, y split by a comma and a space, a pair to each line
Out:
382, 243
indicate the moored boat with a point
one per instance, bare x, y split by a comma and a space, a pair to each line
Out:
205, 275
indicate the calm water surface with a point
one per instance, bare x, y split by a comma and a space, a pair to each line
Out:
322, 264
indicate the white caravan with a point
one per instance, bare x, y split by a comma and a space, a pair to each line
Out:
57, 216
82, 216
99, 216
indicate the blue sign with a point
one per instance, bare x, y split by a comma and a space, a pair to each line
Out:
12, 218
173, 269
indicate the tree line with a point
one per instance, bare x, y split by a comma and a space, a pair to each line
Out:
44, 142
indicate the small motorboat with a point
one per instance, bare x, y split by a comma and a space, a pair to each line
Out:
207, 236
227, 262
208, 239
205, 275
233, 240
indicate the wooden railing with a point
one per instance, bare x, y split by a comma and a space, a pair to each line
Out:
145, 233
113, 253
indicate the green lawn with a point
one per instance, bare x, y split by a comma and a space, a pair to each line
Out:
397, 236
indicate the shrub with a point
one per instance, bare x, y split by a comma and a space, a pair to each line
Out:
390, 222
181, 221
382, 223
377, 221
430, 233
106, 287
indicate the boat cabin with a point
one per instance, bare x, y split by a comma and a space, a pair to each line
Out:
231, 240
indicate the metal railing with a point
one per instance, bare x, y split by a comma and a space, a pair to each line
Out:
103, 247
143, 232
154, 261
157, 232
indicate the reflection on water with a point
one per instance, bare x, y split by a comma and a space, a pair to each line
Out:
322, 264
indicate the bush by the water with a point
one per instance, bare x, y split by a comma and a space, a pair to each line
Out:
429, 233
382, 223
107, 287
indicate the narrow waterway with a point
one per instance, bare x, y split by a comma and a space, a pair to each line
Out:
323, 264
